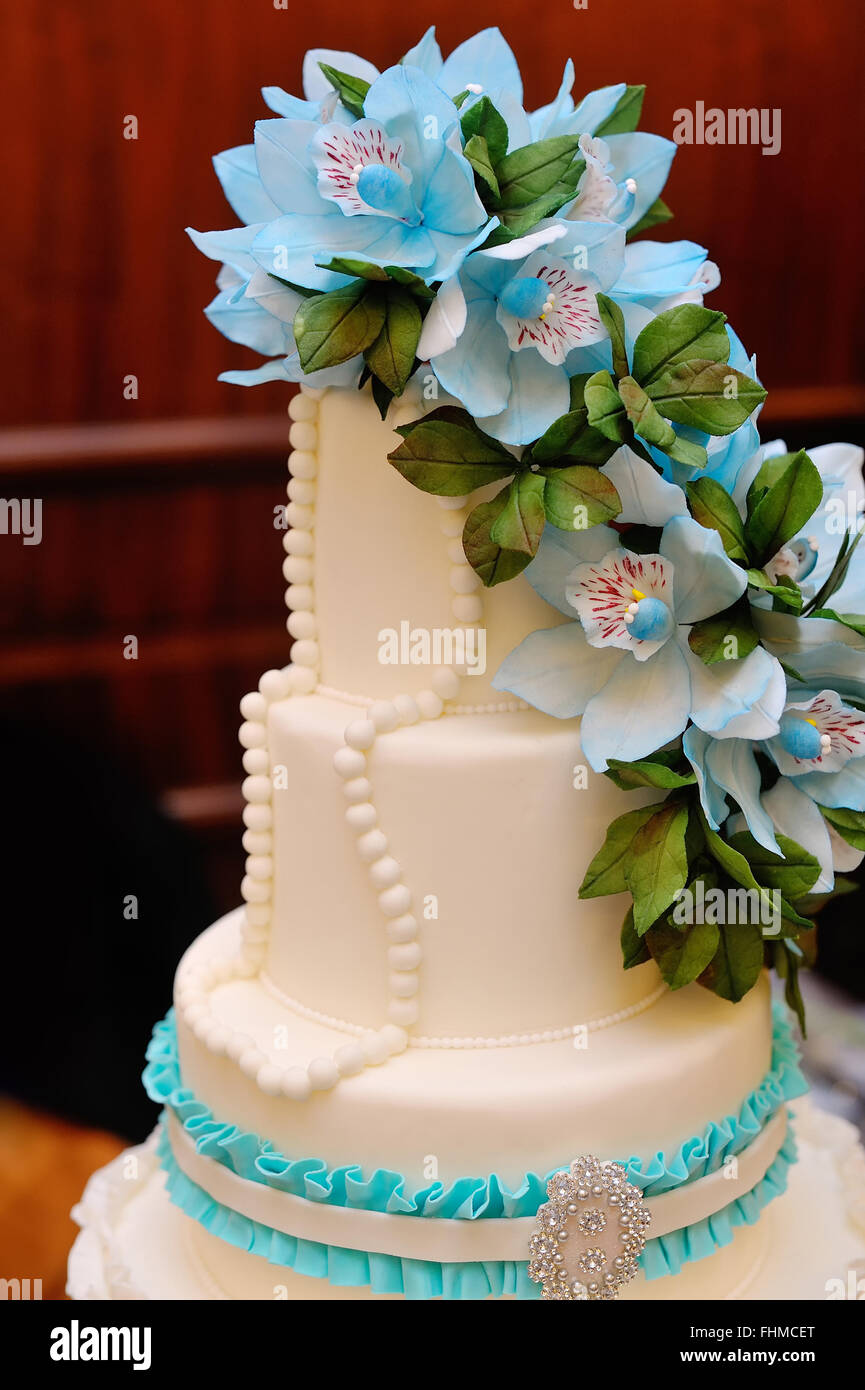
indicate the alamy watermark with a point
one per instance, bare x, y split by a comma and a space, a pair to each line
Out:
739, 126
434, 646
728, 907
22, 516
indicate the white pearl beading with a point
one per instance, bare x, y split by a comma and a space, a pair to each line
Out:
449, 1043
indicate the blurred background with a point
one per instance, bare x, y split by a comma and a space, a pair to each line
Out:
158, 482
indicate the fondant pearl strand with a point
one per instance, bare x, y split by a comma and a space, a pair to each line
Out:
345, 697
404, 953
371, 1047
445, 1043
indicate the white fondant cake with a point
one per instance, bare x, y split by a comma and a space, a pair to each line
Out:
494, 1032
412, 1064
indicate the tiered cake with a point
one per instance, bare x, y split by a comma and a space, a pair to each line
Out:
378, 1071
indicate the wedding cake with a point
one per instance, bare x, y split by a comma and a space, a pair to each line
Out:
566, 757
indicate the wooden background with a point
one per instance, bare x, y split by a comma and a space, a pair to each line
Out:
158, 511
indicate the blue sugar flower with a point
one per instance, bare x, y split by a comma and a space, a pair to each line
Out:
819, 751
393, 189
505, 335
626, 666
258, 311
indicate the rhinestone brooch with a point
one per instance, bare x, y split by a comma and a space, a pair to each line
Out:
590, 1233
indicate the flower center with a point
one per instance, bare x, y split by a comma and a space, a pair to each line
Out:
382, 188
527, 298
648, 618
801, 738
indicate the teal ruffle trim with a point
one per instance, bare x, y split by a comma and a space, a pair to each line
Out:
420, 1279
466, 1198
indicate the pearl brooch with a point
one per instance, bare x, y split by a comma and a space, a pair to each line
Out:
584, 1270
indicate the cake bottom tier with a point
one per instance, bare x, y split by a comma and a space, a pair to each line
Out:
807, 1244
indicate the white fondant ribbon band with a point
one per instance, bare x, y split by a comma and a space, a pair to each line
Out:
450, 1240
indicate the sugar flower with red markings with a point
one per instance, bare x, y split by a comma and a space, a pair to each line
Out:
625, 666
506, 333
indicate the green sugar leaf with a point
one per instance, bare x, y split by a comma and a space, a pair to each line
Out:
709, 396
447, 454
634, 948
493, 563
715, 509
391, 357
657, 865
679, 335
525, 175
849, 824
793, 875
735, 967
784, 508
352, 90
518, 220
484, 120
646, 421
606, 873
657, 771
477, 153
854, 621
579, 497
606, 412
520, 523
727, 636
571, 436
682, 956
614, 322
333, 327
785, 591
625, 115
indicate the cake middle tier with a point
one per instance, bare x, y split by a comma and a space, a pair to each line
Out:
456, 887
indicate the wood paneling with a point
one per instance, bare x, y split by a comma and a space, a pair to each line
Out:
101, 282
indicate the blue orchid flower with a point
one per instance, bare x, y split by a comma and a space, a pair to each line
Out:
626, 666
819, 751
507, 333
392, 189
500, 334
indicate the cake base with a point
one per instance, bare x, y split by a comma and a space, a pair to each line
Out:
808, 1244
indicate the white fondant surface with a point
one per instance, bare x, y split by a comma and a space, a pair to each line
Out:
492, 836
381, 559
135, 1244
645, 1084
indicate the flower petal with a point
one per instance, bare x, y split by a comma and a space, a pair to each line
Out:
657, 269
475, 369
426, 55
558, 554
555, 670
706, 581
731, 763
696, 745
796, 816
316, 85
539, 394
485, 60
287, 171
647, 499
445, 321
646, 159
237, 171
233, 246
639, 709
748, 692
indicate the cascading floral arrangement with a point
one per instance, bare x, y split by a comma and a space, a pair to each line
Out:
712, 642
